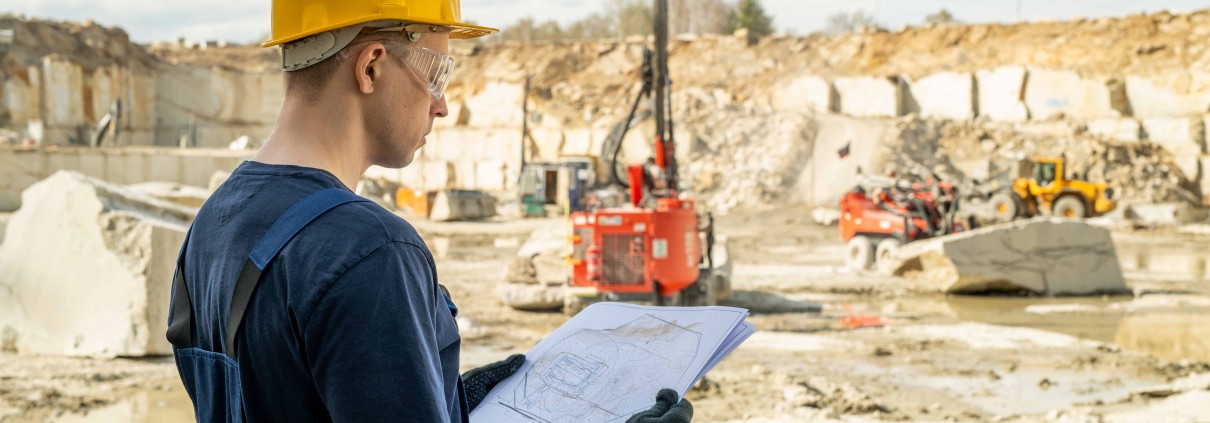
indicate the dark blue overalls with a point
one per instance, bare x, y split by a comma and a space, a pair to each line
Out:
212, 378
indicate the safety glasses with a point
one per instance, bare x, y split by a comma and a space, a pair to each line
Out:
431, 68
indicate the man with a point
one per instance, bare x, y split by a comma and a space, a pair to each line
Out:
343, 319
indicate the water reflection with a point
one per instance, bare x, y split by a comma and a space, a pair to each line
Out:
143, 407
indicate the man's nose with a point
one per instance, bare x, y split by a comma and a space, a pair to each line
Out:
439, 108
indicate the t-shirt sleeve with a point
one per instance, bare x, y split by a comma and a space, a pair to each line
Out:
372, 341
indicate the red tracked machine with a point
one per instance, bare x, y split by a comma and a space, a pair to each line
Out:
657, 249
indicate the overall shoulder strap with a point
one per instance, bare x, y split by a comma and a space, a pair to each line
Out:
180, 326
283, 230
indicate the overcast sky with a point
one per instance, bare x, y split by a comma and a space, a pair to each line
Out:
248, 20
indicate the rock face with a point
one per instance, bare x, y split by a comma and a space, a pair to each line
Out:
86, 269
1046, 256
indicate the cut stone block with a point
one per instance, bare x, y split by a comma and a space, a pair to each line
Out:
1165, 214
1051, 94
867, 96
454, 204
86, 269
1171, 94
1184, 138
436, 175
946, 95
806, 92
1045, 256
491, 175
497, 105
1002, 94
1124, 129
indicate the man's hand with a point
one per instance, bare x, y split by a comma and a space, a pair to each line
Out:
480, 381
666, 410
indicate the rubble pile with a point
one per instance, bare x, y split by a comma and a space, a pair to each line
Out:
100, 250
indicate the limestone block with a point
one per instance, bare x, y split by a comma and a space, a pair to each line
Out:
453, 204
867, 96
92, 164
1001, 94
18, 170
1170, 94
1123, 129
87, 269
63, 99
1046, 256
464, 174
1205, 175
806, 92
436, 175
498, 104
1165, 214
577, 142
17, 97
1051, 94
1184, 138
547, 141
946, 95
490, 175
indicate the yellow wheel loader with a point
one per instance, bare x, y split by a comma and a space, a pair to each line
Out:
1047, 190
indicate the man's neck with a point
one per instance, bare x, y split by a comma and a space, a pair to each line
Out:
328, 137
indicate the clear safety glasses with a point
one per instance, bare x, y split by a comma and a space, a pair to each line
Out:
431, 68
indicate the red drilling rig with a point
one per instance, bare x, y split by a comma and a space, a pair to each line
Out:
658, 248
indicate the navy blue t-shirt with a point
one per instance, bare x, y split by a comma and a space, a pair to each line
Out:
348, 323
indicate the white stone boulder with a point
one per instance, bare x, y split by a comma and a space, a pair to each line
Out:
1184, 138
456, 204
1047, 256
1051, 94
86, 269
536, 277
946, 95
1117, 129
868, 96
806, 92
1002, 94
1169, 94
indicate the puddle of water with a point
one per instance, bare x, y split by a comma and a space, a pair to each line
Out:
150, 406
1183, 262
1172, 333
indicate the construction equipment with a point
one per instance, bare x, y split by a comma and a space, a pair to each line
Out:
1048, 189
882, 213
659, 249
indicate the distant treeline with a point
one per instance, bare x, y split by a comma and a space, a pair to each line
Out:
624, 18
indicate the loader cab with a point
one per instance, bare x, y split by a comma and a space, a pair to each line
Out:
1046, 171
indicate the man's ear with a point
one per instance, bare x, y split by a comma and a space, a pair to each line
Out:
369, 67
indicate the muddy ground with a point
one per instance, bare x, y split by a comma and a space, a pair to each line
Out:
879, 350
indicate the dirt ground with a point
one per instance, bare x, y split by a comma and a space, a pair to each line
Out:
878, 351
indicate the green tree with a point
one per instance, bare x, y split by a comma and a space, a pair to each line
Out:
751, 15
942, 16
845, 23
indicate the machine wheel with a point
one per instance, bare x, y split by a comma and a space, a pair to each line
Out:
1006, 206
859, 255
885, 256
1070, 207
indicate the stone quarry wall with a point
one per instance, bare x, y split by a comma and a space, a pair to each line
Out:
22, 167
1136, 79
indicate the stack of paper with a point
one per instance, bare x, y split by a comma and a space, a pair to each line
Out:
608, 362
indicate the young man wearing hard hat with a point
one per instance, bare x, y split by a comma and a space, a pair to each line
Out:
294, 299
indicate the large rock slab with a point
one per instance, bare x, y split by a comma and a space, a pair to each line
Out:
806, 92
456, 204
946, 95
1184, 138
1044, 256
86, 269
1117, 129
1052, 94
1169, 94
537, 276
1002, 94
868, 96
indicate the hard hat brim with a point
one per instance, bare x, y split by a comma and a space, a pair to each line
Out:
458, 30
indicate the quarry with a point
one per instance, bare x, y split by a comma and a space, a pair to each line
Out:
1043, 318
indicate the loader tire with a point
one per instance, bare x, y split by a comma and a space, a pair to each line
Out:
1006, 206
1070, 207
885, 256
859, 254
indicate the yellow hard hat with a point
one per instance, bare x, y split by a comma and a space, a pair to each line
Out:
297, 19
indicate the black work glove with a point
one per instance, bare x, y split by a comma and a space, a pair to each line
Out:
666, 410
479, 381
